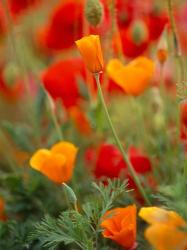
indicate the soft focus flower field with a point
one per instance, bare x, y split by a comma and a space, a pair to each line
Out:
93, 124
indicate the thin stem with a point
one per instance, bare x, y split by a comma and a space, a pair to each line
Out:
54, 118
125, 157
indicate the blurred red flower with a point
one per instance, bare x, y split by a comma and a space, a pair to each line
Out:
130, 47
183, 122
11, 92
108, 162
124, 10
156, 22
2, 20
64, 26
60, 80
17, 6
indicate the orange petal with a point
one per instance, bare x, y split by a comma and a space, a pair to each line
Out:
39, 158
55, 168
90, 49
68, 150
120, 225
164, 237
158, 215
135, 77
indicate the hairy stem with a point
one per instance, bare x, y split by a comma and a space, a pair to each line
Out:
125, 157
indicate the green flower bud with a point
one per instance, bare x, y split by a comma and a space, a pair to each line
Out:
139, 32
10, 73
94, 12
70, 193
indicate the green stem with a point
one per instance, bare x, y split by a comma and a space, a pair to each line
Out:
125, 157
54, 118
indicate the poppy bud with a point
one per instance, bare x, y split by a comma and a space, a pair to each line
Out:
94, 12
162, 51
10, 73
70, 193
90, 49
139, 32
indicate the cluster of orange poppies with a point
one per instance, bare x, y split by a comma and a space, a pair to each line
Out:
166, 229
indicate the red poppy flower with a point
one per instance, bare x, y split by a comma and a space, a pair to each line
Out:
156, 23
183, 121
2, 20
12, 92
17, 6
108, 161
125, 11
140, 162
130, 47
60, 80
64, 26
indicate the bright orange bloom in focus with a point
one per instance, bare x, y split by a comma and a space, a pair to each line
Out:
134, 77
57, 163
90, 49
2, 207
166, 231
120, 225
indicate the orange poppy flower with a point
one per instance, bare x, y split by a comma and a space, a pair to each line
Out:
57, 163
90, 49
165, 231
134, 77
120, 225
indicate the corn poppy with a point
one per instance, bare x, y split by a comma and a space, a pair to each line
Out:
107, 161
18, 6
63, 28
61, 80
156, 22
135, 41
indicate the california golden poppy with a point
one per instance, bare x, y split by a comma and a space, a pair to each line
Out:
134, 77
57, 163
166, 231
90, 49
120, 225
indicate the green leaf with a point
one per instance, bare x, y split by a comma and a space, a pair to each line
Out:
20, 134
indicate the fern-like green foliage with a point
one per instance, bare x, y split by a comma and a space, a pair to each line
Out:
174, 196
80, 230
